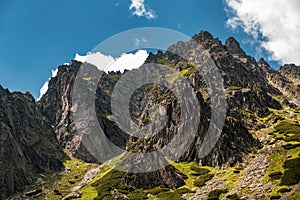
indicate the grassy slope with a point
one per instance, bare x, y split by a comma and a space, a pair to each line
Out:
284, 132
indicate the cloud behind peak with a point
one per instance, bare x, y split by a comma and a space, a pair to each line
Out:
276, 20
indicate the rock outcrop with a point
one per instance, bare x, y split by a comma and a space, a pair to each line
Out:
285, 79
28, 143
56, 105
291, 71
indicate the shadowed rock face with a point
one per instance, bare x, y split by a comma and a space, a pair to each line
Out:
27, 142
56, 105
291, 71
233, 47
286, 79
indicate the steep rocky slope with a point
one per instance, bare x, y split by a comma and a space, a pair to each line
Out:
28, 144
56, 106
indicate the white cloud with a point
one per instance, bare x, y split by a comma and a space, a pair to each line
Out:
129, 61
139, 9
98, 59
234, 23
44, 88
54, 72
277, 20
108, 63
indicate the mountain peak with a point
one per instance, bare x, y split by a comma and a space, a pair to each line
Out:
262, 62
265, 66
233, 47
3, 91
291, 66
203, 36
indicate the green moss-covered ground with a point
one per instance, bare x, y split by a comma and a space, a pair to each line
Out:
283, 170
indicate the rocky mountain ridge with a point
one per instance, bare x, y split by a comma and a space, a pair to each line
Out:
257, 96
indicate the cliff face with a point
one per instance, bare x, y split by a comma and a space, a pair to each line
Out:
56, 105
28, 144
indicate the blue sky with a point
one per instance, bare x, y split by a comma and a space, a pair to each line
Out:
38, 36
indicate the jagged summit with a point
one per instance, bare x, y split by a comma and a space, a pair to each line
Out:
203, 36
233, 47
262, 62
3, 91
264, 66
231, 44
